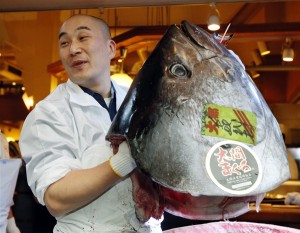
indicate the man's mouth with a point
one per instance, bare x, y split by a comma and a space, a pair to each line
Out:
78, 64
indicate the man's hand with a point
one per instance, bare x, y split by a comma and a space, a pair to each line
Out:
122, 163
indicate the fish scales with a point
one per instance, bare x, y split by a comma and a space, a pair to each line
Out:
197, 124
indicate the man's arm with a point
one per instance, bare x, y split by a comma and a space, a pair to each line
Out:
79, 187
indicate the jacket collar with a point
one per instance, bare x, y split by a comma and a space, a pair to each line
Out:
78, 96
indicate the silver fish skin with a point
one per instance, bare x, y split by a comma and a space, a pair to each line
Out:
163, 118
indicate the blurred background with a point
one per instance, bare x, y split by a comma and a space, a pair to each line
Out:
266, 36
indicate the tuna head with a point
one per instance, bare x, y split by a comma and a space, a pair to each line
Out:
197, 124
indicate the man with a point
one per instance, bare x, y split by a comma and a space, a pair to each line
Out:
73, 170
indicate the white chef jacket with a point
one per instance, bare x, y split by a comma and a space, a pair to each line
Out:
67, 131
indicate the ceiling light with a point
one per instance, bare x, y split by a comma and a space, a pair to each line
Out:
213, 22
256, 57
254, 74
288, 52
28, 101
263, 49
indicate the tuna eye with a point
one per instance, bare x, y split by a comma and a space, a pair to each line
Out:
179, 71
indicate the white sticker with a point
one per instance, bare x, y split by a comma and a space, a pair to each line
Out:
234, 167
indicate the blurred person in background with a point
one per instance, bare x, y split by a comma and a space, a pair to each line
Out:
29, 215
9, 224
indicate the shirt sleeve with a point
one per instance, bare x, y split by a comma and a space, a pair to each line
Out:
49, 138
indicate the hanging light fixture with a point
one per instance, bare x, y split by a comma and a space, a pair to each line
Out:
213, 22
254, 74
288, 52
263, 49
257, 62
256, 57
121, 78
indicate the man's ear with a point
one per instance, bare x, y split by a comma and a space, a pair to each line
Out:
112, 48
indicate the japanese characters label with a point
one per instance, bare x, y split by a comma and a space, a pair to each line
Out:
229, 123
234, 167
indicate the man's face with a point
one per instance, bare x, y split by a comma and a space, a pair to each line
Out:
85, 51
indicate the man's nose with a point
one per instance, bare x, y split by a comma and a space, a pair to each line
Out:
75, 48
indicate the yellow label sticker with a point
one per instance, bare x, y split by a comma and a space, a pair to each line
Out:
229, 123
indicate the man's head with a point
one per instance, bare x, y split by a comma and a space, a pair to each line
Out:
86, 50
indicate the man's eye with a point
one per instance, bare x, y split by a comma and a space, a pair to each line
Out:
82, 37
64, 44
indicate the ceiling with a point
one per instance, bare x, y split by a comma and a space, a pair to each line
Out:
138, 25
35, 5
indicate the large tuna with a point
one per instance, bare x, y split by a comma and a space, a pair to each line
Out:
198, 126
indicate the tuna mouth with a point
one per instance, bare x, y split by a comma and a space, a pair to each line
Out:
201, 38
187, 29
